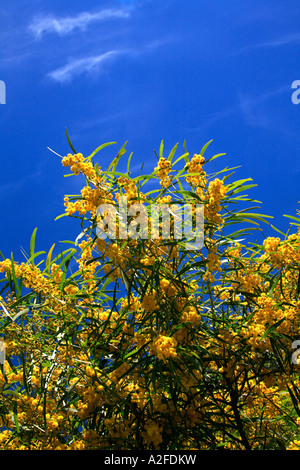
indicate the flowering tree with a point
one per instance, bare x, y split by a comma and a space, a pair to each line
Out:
143, 343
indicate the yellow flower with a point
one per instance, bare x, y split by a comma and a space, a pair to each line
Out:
153, 433
164, 347
149, 302
162, 171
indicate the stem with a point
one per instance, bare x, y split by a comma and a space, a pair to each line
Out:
234, 402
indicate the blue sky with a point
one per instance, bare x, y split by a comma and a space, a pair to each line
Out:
142, 71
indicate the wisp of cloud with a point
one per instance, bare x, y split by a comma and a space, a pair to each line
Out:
79, 66
66, 25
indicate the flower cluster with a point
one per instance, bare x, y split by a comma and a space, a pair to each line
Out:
149, 302
162, 171
78, 164
215, 193
164, 347
196, 175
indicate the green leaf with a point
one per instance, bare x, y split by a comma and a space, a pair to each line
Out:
128, 162
185, 156
161, 149
216, 156
71, 252
237, 184
298, 286
115, 161
100, 148
60, 216
294, 400
272, 328
292, 217
205, 147
16, 417
48, 260
32, 244
70, 143
277, 230
65, 263
17, 287
171, 154
242, 188
35, 255
183, 191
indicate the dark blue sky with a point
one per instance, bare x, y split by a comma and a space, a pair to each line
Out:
143, 71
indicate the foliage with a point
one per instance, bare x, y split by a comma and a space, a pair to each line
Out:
142, 343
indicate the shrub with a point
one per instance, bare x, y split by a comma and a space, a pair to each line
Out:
143, 343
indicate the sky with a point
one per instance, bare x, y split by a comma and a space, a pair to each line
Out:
142, 71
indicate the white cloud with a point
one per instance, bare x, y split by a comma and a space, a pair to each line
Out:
252, 108
79, 66
252, 113
94, 63
282, 41
288, 40
64, 26
255, 111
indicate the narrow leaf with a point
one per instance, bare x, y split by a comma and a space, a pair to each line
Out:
70, 143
